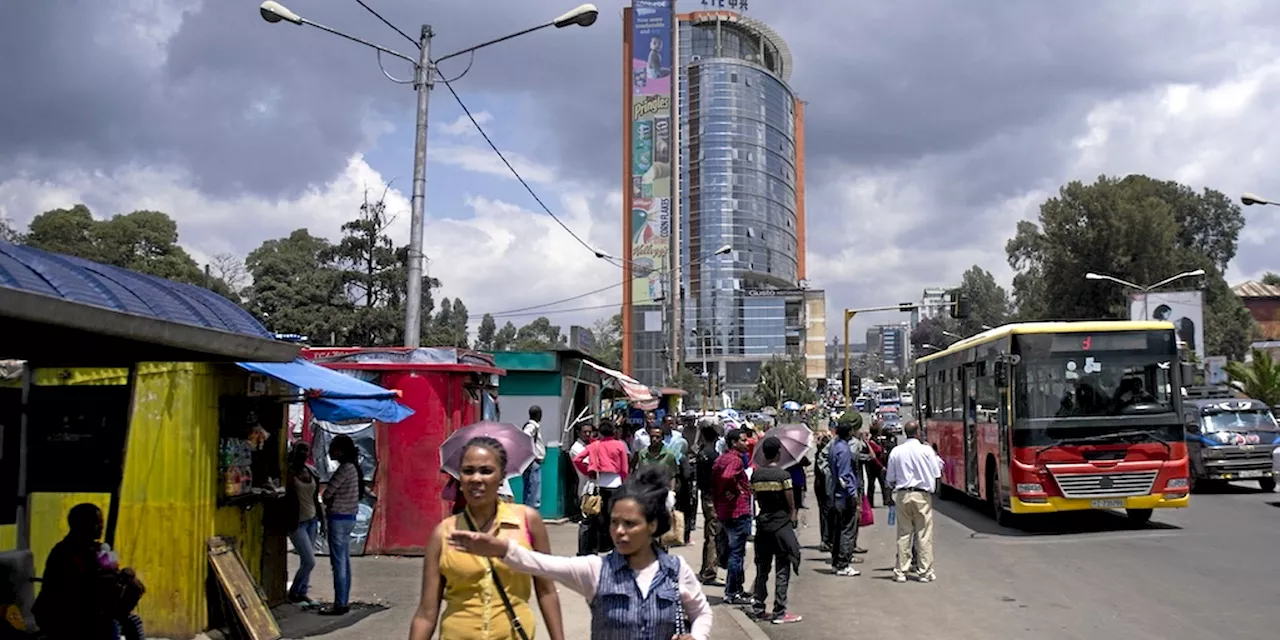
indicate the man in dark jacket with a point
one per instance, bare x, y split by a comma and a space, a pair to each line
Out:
706, 459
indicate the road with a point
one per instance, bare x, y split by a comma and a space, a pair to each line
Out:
1209, 571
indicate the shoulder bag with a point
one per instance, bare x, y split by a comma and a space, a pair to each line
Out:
502, 590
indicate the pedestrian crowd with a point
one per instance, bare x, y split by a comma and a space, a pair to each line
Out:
639, 492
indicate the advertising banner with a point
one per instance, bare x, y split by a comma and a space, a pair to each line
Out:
651, 150
1185, 309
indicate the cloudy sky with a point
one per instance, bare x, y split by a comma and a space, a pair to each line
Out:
933, 126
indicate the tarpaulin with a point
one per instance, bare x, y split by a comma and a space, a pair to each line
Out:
332, 396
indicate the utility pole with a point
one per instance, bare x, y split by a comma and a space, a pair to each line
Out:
423, 82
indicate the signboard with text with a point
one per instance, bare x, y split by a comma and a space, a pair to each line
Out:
652, 157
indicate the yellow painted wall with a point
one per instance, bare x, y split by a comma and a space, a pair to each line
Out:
169, 498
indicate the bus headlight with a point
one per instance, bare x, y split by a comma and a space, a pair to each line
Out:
1176, 483
1030, 488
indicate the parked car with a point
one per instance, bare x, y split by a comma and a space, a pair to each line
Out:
908, 399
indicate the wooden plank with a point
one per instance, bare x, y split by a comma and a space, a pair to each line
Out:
245, 596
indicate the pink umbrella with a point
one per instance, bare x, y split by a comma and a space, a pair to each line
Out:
518, 444
796, 441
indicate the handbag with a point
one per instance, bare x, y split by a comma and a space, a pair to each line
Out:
674, 537
867, 517
502, 590
591, 503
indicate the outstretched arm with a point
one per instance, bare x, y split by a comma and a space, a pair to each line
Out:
579, 574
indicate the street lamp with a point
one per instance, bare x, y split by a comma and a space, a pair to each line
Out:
1250, 199
1147, 289
423, 80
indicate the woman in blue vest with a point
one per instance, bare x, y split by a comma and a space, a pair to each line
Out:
637, 591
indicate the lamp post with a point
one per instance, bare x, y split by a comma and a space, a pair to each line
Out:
1249, 199
424, 69
1147, 289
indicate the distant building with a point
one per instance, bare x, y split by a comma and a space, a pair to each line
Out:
892, 343
933, 302
1263, 303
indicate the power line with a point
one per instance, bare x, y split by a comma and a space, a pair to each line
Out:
554, 311
511, 168
552, 304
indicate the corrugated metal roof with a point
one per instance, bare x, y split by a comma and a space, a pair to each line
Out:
90, 283
1255, 289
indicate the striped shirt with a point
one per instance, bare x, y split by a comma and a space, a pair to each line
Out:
342, 495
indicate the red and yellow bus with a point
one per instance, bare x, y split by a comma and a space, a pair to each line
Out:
1059, 416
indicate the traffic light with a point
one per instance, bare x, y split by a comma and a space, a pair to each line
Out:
960, 306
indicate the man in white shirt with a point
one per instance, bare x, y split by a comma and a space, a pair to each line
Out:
533, 474
913, 471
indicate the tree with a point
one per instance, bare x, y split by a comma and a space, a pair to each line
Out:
505, 339
1271, 278
295, 290
1136, 229
608, 334
1260, 377
8, 233
231, 271
690, 382
487, 333
373, 278
66, 231
782, 380
449, 327
989, 303
931, 331
539, 335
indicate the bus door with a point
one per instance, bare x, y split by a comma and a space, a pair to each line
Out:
969, 383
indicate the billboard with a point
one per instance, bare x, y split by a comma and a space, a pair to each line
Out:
1185, 309
651, 153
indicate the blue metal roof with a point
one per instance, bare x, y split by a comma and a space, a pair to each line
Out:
91, 283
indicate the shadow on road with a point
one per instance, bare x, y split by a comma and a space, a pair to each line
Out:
297, 622
1228, 488
967, 514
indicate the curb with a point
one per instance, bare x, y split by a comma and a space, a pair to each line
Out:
748, 626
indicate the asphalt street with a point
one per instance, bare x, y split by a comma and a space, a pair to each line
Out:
1211, 570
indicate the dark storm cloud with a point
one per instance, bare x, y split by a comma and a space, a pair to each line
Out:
272, 109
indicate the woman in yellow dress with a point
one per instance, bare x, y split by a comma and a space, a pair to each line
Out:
473, 604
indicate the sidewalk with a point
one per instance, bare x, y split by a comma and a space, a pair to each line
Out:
388, 589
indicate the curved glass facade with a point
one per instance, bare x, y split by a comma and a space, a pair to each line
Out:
738, 187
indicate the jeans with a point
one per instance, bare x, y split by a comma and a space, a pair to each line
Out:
710, 530
844, 530
340, 559
738, 529
303, 538
533, 485
771, 557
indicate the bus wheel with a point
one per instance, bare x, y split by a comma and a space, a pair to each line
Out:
1267, 484
1139, 516
994, 500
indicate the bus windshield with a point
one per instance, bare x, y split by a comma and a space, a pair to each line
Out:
1075, 375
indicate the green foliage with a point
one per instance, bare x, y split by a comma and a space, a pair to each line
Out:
8, 233
933, 331
1271, 278
539, 335
608, 333
690, 382
505, 339
748, 403
295, 290
990, 302
1136, 229
449, 326
1260, 377
486, 334
781, 380
145, 241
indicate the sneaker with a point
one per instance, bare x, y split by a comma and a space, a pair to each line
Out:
786, 618
848, 572
898, 577
859, 550
740, 600
857, 560
928, 577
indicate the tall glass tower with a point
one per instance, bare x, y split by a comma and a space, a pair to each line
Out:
742, 185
